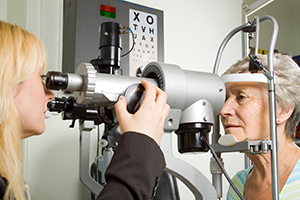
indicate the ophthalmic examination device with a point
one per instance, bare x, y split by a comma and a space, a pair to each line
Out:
195, 98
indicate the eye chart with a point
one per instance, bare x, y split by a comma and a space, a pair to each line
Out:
144, 27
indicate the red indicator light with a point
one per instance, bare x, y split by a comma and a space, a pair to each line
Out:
107, 8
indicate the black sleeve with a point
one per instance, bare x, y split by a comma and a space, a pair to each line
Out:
3, 185
134, 170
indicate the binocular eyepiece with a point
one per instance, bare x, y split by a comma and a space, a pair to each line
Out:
60, 81
56, 80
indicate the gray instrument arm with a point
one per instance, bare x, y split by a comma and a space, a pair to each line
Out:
84, 173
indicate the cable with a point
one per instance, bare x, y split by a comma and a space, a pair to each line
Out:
222, 168
133, 42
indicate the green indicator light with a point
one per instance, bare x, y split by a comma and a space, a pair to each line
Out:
107, 14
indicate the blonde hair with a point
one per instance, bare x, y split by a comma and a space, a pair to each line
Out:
21, 53
287, 75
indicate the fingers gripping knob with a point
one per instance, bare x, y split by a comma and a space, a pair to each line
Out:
134, 96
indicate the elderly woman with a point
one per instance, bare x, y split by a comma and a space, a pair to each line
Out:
246, 115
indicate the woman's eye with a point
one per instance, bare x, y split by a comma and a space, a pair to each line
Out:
241, 97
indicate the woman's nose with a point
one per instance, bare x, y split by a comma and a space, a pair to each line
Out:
228, 109
49, 94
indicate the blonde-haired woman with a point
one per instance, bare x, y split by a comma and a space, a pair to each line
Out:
23, 99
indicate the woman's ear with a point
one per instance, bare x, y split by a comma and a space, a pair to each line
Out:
284, 114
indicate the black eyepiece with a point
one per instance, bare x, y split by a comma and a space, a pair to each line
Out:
58, 104
56, 80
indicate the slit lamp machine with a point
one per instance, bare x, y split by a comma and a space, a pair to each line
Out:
195, 98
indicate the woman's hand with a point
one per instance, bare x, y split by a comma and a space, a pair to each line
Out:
150, 117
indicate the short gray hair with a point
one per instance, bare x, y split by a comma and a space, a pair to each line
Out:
287, 88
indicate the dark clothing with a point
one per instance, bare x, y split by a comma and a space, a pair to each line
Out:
3, 184
135, 169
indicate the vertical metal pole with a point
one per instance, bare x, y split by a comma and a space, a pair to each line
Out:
245, 51
217, 177
274, 151
272, 107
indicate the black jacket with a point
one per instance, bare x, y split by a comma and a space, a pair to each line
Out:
3, 184
134, 171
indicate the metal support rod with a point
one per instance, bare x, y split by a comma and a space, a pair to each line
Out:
257, 36
217, 177
272, 107
245, 51
224, 43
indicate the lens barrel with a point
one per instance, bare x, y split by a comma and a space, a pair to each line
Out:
56, 80
189, 137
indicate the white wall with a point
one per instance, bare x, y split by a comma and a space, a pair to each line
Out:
3, 9
191, 41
